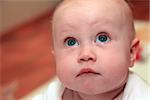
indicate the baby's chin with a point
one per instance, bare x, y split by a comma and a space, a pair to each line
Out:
89, 88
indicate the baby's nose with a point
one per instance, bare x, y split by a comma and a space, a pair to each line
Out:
87, 55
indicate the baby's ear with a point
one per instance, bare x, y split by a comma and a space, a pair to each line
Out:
133, 50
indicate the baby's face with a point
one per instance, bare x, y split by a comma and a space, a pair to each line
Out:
91, 46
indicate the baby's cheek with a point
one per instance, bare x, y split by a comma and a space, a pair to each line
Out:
114, 65
64, 75
62, 68
61, 73
65, 68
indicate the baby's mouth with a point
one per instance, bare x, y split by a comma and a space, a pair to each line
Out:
87, 71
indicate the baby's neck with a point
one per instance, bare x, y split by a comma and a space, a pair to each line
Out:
112, 95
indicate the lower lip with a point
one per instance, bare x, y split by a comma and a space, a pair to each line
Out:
88, 74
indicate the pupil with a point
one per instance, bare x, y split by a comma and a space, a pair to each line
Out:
71, 42
103, 38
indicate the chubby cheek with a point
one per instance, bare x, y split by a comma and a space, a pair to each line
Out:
116, 70
65, 69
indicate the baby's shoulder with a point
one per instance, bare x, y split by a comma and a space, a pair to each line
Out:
53, 92
136, 88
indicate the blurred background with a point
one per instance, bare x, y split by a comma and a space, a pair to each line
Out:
27, 65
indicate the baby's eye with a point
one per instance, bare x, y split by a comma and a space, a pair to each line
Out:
70, 41
102, 37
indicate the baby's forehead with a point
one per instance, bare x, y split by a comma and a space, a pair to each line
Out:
94, 7
90, 10
115, 10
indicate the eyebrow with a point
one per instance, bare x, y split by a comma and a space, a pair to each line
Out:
108, 23
67, 27
103, 21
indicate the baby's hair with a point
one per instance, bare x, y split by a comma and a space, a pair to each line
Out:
59, 4
130, 5
129, 2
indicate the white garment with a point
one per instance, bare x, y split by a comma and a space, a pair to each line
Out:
135, 89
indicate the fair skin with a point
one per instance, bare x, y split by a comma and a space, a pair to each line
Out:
97, 36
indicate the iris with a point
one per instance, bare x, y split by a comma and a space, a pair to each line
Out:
71, 42
102, 38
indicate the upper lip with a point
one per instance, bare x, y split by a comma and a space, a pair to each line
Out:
87, 70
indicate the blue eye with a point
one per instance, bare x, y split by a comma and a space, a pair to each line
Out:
71, 42
102, 37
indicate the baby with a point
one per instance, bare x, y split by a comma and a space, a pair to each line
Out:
94, 45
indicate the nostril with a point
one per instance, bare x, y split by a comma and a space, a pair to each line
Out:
82, 59
88, 59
